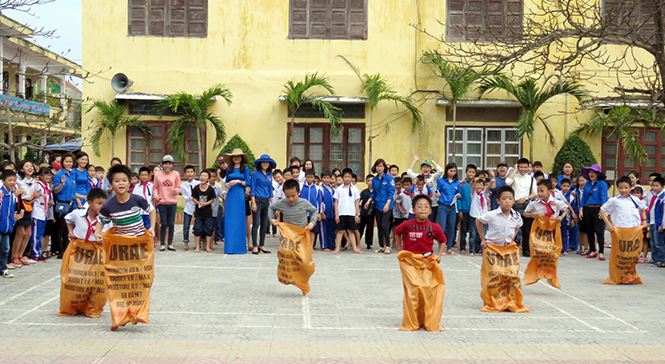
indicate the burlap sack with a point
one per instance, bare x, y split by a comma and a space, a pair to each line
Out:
626, 248
83, 288
424, 288
295, 257
545, 245
500, 279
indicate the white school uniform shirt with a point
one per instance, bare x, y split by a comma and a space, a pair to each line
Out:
186, 189
40, 209
145, 192
346, 204
83, 226
652, 212
625, 212
501, 230
523, 185
278, 193
397, 198
540, 207
218, 193
405, 203
479, 205
29, 187
557, 194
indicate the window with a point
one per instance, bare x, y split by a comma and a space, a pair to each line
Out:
484, 147
144, 107
141, 154
347, 149
653, 141
168, 18
625, 16
484, 20
328, 19
349, 111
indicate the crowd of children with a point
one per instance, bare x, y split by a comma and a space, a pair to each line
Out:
36, 202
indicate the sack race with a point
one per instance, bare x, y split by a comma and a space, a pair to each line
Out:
295, 257
500, 279
626, 248
83, 288
129, 275
545, 245
424, 288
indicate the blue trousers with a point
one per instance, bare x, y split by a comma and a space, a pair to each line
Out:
4, 251
186, 223
36, 238
574, 242
327, 234
657, 245
566, 236
447, 218
219, 226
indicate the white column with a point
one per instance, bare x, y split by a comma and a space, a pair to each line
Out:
2, 64
24, 138
21, 80
43, 85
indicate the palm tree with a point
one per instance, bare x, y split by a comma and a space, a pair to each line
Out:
112, 119
295, 96
459, 81
377, 89
192, 112
532, 98
623, 123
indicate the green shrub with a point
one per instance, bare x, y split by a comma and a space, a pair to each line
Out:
237, 142
575, 150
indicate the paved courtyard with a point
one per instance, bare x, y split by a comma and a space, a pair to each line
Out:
213, 308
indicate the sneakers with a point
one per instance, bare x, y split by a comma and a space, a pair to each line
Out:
162, 248
6, 274
171, 248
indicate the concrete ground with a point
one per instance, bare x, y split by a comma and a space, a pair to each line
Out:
215, 308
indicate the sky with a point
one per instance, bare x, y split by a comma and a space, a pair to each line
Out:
62, 16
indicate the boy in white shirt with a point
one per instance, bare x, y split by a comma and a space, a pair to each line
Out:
186, 189
347, 212
480, 200
42, 211
144, 189
502, 223
546, 205
625, 210
81, 223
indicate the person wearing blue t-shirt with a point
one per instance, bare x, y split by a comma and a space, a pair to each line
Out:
383, 190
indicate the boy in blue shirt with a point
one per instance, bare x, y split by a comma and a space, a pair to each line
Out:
8, 219
327, 225
464, 206
312, 194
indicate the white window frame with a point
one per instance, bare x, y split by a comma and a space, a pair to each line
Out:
464, 141
503, 141
484, 137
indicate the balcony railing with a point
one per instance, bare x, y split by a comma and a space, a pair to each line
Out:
27, 106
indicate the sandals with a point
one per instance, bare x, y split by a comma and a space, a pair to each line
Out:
264, 250
450, 252
387, 251
380, 250
592, 255
661, 265
186, 248
601, 257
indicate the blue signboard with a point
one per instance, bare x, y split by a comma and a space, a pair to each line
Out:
32, 107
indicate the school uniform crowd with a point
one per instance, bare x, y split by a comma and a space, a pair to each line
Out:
42, 207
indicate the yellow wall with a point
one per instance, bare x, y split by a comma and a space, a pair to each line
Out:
247, 50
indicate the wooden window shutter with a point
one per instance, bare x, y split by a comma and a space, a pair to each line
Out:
299, 18
318, 19
137, 17
157, 18
177, 21
456, 29
338, 19
197, 16
357, 19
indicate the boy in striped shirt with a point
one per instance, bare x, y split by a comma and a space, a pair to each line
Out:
124, 209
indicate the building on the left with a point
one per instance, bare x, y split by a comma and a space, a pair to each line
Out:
38, 105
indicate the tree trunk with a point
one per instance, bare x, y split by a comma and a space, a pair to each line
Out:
200, 153
10, 133
113, 147
454, 127
616, 173
289, 131
371, 114
531, 149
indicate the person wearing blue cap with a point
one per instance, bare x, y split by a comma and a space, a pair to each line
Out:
261, 194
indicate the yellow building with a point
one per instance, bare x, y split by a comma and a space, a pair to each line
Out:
253, 47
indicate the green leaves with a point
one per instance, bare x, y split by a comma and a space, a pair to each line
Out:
460, 81
111, 118
297, 93
193, 112
622, 123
